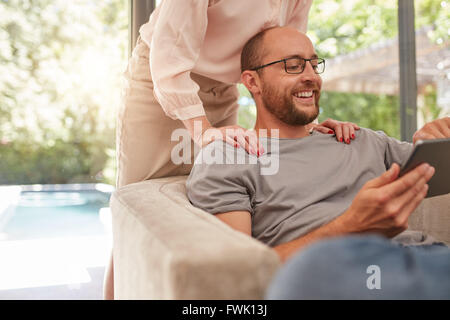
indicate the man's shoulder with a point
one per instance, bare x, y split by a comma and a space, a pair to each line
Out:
371, 134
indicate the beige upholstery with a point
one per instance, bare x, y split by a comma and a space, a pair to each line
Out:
433, 217
165, 248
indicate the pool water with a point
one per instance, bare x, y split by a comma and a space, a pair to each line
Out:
55, 242
46, 214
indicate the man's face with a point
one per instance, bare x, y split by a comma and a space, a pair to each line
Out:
292, 98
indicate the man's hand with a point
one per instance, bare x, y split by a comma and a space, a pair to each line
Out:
345, 131
436, 129
384, 204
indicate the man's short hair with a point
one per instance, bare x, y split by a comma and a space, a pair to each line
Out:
253, 51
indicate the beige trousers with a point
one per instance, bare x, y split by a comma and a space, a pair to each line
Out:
143, 136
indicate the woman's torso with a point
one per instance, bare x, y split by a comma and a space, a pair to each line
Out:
231, 23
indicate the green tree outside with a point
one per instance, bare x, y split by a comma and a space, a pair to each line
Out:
339, 27
60, 68
61, 64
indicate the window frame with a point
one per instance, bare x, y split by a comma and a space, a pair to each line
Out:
140, 10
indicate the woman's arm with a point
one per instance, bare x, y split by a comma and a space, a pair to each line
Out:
176, 42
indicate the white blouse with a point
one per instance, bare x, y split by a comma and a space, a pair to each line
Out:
206, 37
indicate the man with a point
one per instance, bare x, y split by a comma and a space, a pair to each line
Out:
322, 189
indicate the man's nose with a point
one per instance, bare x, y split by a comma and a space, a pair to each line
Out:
309, 73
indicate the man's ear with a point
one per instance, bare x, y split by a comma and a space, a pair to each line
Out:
250, 79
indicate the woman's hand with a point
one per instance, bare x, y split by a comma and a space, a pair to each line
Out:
234, 135
345, 131
203, 133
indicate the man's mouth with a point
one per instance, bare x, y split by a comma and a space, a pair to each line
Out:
305, 96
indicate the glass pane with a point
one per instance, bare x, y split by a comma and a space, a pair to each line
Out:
358, 40
432, 23
60, 70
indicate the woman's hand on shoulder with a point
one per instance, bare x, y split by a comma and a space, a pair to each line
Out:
344, 131
234, 135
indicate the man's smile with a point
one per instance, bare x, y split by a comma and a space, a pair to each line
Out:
304, 97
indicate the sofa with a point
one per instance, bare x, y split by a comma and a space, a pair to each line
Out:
165, 248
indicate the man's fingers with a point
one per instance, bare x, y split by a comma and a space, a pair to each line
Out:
412, 204
398, 203
409, 180
386, 178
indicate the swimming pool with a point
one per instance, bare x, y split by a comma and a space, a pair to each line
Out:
54, 240
47, 211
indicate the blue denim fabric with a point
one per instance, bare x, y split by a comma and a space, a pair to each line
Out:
338, 269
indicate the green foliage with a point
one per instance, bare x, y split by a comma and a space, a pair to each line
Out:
247, 112
337, 27
367, 110
61, 64
60, 67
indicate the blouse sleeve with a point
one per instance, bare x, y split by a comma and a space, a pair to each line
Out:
299, 16
177, 39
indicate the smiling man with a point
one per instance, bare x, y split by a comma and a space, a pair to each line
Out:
288, 100
323, 189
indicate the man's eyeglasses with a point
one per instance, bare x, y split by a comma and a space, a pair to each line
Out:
297, 65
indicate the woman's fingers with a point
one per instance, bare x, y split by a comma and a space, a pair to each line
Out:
346, 133
255, 145
239, 137
323, 129
231, 141
352, 132
339, 135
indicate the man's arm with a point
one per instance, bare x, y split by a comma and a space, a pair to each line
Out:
383, 206
239, 220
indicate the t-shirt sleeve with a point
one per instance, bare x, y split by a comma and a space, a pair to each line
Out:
218, 188
395, 151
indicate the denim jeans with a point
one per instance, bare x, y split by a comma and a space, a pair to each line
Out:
364, 267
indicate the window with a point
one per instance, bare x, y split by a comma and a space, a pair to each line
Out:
60, 69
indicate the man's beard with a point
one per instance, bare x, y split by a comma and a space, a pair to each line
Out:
284, 108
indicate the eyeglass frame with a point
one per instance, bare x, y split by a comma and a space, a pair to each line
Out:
296, 57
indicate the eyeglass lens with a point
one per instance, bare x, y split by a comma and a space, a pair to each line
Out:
297, 65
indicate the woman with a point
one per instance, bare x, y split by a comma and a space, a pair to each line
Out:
184, 70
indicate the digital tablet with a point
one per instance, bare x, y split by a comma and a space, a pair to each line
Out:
436, 153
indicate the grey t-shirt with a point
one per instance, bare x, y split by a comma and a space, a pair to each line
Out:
316, 181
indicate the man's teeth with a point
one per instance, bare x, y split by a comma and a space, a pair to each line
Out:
304, 94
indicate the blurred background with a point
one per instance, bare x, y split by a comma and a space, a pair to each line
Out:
60, 86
